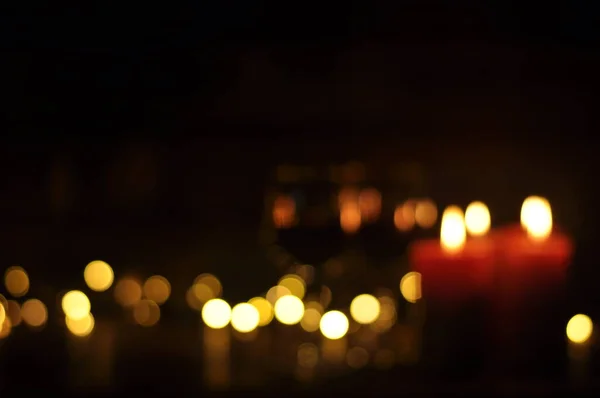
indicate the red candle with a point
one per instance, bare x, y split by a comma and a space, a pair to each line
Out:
453, 268
530, 277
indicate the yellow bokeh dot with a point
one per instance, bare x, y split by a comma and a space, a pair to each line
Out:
216, 313
157, 288
5, 328
2, 314
80, 327
264, 308
294, 284
580, 328
310, 320
276, 292
203, 293
244, 317
13, 311
477, 219
289, 310
146, 313
16, 281
34, 313
334, 325
98, 275
426, 213
76, 305
365, 309
410, 287
211, 282
128, 292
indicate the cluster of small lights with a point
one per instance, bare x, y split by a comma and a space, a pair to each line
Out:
287, 301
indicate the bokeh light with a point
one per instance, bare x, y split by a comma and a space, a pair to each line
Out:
404, 216
146, 313
2, 314
334, 325
276, 292
453, 233
369, 203
16, 281
289, 310
579, 328
157, 288
13, 311
350, 217
75, 305
477, 219
80, 327
410, 287
128, 292
426, 213
311, 319
365, 309
5, 328
34, 313
216, 313
284, 211
264, 308
295, 285
536, 217
207, 287
98, 276
244, 317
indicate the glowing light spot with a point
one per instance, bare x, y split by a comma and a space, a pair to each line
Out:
311, 319
410, 287
334, 325
244, 317
365, 309
128, 292
76, 305
2, 314
206, 287
98, 275
5, 328
580, 328
453, 233
16, 281
276, 292
426, 213
146, 313
477, 219
289, 310
536, 217
350, 217
34, 313
294, 284
80, 327
404, 216
13, 311
157, 288
264, 308
216, 313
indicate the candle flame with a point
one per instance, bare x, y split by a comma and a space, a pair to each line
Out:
453, 233
536, 217
477, 219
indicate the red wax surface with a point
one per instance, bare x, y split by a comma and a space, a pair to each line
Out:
526, 265
454, 276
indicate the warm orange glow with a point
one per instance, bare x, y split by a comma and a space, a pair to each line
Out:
81, 327
310, 319
16, 281
410, 287
146, 312
284, 211
13, 311
76, 305
347, 195
128, 292
98, 275
294, 284
206, 287
536, 217
157, 288
216, 314
477, 219
404, 216
289, 310
365, 309
369, 202
34, 313
264, 308
453, 233
5, 328
276, 292
580, 328
350, 217
334, 325
426, 213
2, 315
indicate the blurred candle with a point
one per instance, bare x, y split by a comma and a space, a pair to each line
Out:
453, 268
456, 276
531, 276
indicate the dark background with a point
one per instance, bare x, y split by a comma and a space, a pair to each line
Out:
148, 136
